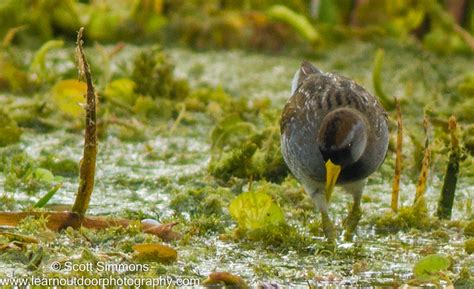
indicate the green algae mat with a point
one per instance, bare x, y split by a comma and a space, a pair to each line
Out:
190, 187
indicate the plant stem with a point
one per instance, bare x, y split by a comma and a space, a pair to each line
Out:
87, 170
445, 204
425, 166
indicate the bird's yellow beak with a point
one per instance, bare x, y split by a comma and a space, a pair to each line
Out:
332, 173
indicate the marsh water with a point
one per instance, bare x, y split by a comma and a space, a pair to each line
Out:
140, 179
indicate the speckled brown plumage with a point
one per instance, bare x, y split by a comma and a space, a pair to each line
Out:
329, 116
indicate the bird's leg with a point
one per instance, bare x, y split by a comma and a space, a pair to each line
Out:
328, 226
350, 223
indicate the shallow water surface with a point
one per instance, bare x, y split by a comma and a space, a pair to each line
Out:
132, 181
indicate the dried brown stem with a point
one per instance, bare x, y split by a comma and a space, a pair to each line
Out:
57, 221
425, 166
87, 170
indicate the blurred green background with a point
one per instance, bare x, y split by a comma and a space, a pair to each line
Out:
442, 26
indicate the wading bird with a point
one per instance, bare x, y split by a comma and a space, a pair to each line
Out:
332, 132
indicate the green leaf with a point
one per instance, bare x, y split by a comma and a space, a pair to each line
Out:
38, 64
43, 175
67, 95
377, 80
429, 267
121, 91
295, 20
255, 210
45, 199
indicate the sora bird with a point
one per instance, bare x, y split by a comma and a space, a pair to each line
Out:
332, 132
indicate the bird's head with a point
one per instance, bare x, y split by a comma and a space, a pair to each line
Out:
306, 69
342, 140
342, 136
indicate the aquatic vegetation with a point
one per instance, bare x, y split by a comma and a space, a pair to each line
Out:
205, 201
155, 252
183, 134
446, 200
235, 163
38, 64
121, 92
386, 102
242, 150
465, 280
67, 96
22, 172
63, 167
153, 75
255, 210
430, 268
466, 87
45, 199
9, 131
469, 229
420, 201
75, 218
469, 246
13, 76
406, 219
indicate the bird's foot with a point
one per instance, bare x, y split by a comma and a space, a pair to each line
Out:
351, 222
329, 229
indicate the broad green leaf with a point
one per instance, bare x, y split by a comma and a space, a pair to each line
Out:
255, 210
429, 267
122, 91
67, 95
43, 175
